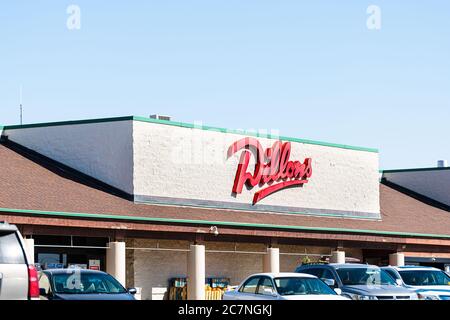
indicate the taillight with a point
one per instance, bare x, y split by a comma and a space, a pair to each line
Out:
33, 283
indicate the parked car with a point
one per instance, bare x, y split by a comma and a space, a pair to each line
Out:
282, 286
359, 281
429, 283
81, 284
18, 279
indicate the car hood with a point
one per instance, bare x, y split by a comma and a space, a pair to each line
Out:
377, 290
433, 290
315, 297
119, 296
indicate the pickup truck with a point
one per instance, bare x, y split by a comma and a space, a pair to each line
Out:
18, 279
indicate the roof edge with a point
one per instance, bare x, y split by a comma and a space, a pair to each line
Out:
219, 223
66, 123
415, 170
191, 126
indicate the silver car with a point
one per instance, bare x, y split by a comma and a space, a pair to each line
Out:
18, 280
282, 286
360, 281
429, 283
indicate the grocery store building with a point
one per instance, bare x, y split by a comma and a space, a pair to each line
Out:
150, 200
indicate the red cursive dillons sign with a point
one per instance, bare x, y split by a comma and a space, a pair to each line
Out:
272, 167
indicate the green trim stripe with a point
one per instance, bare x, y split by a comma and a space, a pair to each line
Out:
191, 126
219, 223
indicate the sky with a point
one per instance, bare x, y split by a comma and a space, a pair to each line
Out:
309, 69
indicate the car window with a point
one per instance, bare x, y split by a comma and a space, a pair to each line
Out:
265, 284
44, 283
425, 278
364, 276
10, 249
290, 286
327, 274
313, 271
250, 286
392, 274
76, 282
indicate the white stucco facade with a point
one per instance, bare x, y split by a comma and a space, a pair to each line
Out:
103, 150
177, 164
174, 164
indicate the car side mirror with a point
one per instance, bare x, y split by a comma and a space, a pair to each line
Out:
330, 282
132, 291
399, 282
338, 291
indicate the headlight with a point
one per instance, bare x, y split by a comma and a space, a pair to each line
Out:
415, 296
424, 296
362, 297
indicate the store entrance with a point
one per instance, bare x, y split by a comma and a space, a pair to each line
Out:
376, 257
440, 263
57, 252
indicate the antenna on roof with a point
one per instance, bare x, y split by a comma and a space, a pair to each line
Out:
20, 104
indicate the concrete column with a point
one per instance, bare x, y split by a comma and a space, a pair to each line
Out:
29, 248
337, 257
196, 273
271, 260
116, 261
397, 259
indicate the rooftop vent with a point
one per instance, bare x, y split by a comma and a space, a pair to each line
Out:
160, 117
442, 164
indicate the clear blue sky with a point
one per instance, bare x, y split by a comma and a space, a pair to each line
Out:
309, 69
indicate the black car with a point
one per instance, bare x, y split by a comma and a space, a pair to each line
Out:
80, 284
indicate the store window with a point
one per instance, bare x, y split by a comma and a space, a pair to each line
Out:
58, 252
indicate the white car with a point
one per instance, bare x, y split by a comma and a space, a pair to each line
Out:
429, 283
282, 286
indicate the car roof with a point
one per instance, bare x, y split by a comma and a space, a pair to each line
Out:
5, 226
340, 265
65, 271
417, 268
352, 265
284, 275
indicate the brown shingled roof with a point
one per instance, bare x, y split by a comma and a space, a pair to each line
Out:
25, 184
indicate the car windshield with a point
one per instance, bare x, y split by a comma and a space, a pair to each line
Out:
425, 278
364, 276
77, 282
290, 286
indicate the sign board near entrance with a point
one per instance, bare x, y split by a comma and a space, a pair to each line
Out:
94, 264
